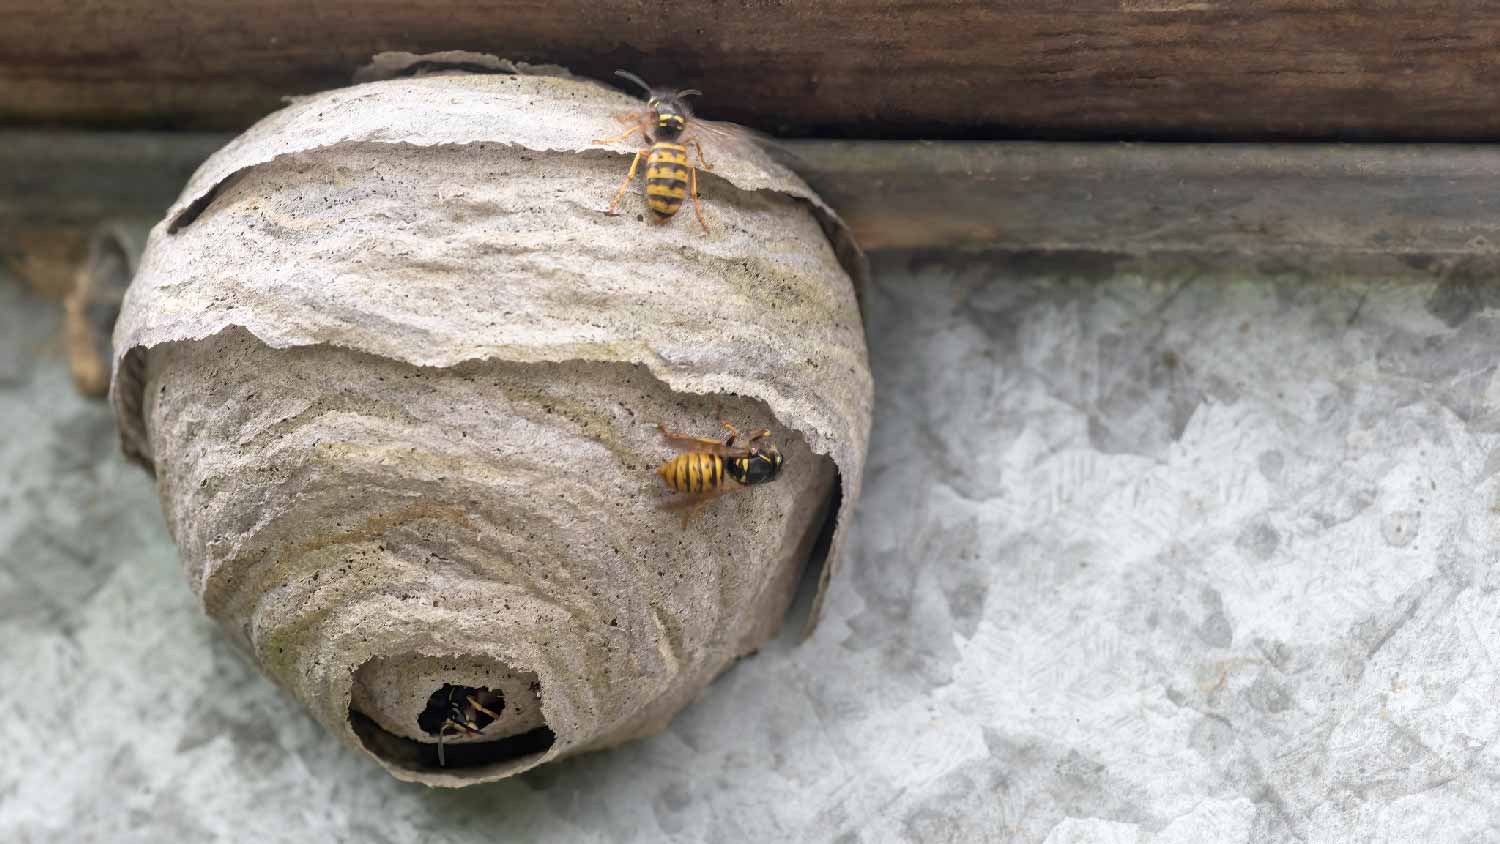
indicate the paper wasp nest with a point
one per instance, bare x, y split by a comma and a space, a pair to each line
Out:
397, 377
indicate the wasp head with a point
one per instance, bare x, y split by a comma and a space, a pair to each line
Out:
669, 108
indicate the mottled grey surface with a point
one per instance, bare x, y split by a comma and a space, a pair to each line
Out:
1142, 558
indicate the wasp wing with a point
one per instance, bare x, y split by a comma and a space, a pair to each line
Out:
738, 141
688, 503
702, 445
773, 154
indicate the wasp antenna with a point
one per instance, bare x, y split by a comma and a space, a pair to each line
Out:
691, 92
633, 78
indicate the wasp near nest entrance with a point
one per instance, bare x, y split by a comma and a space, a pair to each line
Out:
459, 709
670, 179
709, 467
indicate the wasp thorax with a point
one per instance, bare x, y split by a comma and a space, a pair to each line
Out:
670, 120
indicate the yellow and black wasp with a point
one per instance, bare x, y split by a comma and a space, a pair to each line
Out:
454, 709
670, 179
709, 467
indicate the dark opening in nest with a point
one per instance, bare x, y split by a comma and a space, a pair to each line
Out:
453, 711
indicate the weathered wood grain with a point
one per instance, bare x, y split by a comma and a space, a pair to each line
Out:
1437, 199
55, 187
1350, 69
1301, 203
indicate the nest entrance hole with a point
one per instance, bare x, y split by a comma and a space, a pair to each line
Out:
453, 711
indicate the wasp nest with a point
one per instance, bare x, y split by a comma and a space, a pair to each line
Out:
398, 378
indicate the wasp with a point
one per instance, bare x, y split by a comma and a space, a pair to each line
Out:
709, 467
669, 177
459, 709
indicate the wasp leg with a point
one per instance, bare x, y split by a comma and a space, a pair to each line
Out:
697, 209
625, 184
761, 434
699, 147
733, 433
628, 132
626, 118
442, 762
479, 707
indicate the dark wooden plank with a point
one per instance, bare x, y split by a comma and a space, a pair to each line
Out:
56, 186
1354, 69
1298, 204
1432, 199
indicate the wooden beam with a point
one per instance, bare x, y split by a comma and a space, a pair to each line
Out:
1435, 199
1301, 204
56, 186
67, 176
1196, 69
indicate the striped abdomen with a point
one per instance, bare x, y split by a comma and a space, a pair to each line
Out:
666, 178
693, 472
